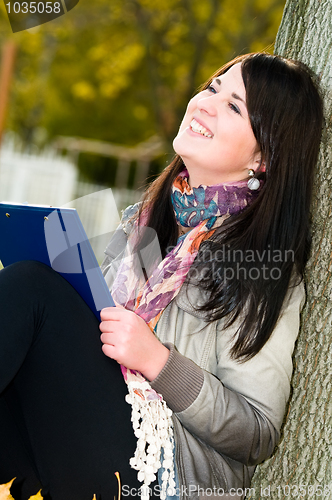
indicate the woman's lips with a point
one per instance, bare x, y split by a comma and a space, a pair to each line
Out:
200, 128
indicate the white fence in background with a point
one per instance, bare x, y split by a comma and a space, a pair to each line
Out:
44, 179
49, 179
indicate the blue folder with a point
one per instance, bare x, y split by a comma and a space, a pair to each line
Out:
56, 237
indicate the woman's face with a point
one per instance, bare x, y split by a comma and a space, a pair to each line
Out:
215, 139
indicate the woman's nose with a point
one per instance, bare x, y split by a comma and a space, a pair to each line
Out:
208, 105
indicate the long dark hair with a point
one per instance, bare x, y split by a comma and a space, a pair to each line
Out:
247, 264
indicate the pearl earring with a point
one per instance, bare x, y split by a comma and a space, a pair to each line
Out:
252, 183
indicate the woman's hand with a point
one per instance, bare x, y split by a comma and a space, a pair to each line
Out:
128, 339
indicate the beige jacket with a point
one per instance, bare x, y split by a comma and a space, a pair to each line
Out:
227, 415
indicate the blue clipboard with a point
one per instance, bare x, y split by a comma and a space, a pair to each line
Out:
55, 237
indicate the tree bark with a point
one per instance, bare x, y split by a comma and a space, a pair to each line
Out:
304, 456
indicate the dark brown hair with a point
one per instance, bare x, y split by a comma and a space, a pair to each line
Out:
286, 116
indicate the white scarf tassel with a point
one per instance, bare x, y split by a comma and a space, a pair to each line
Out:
152, 424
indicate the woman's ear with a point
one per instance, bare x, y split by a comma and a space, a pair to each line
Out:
262, 167
259, 163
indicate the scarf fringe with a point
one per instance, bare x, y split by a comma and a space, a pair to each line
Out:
153, 427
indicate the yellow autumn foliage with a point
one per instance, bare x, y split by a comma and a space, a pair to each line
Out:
37, 497
5, 493
84, 72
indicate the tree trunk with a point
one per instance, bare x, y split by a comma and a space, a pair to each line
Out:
304, 456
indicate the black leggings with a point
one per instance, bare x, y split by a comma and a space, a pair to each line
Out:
64, 422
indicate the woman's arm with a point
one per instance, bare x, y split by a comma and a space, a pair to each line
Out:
220, 417
239, 411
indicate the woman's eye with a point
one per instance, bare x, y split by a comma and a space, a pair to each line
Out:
211, 89
233, 107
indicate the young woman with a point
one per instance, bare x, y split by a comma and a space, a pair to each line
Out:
208, 317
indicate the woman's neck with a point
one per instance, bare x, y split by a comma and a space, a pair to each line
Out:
196, 180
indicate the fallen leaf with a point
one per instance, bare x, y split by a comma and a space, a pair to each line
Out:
37, 497
119, 485
4, 491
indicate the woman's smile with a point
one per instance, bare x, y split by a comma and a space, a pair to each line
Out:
200, 129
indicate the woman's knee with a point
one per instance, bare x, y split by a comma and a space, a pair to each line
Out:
25, 269
32, 289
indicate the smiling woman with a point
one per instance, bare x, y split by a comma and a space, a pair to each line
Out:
207, 275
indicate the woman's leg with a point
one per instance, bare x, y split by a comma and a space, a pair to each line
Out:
62, 399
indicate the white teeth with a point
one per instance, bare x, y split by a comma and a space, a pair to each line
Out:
197, 127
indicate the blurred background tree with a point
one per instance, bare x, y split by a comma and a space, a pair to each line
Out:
123, 71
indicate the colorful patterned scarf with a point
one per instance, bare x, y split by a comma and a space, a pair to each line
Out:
203, 209
193, 205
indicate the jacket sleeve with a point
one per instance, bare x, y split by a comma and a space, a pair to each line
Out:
239, 410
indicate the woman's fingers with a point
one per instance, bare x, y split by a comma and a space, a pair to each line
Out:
108, 349
112, 313
107, 338
112, 316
